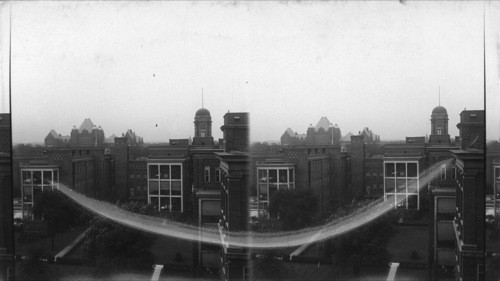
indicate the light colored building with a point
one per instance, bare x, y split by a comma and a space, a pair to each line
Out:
402, 181
271, 177
35, 179
165, 185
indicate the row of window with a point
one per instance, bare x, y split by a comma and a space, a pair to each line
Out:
39, 177
206, 174
401, 184
164, 172
80, 152
316, 150
373, 164
138, 191
137, 167
274, 175
401, 169
165, 187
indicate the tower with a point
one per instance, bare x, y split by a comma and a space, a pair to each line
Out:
203, 128
439, 126
74, 141
311, 135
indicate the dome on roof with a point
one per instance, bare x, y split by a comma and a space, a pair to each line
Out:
439, 109
202, 112
74, 128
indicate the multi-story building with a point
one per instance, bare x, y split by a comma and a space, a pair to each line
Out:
234, 194
6, 216
402, 182
313, 167
457, 237
470, 204
374, 176
86, 170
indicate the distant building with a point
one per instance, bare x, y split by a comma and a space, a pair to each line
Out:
324, 133
290, 137
369, 136
88, 135
346, 140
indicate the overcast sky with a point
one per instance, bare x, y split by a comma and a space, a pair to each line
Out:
142, 65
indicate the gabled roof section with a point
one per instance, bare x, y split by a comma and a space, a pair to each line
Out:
367, 131
347, 137
111, 139
290, 132
54, 134
323, 123
86, 125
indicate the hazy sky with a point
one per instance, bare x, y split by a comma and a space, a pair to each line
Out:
142, 65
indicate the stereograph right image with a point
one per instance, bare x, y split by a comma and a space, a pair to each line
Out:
244, 140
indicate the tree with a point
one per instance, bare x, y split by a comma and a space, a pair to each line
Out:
58, 211
366, 246
116, 247
296, 208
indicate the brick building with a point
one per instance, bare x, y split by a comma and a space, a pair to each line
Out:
6, 216
374, 176
234, 194
86, 170
312, 167
457, 199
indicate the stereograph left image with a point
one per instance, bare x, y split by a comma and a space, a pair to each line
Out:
240, 140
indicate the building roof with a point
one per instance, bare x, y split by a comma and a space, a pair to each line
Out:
54, 134
202, 112
439, 110
367, 131
86, 125
347, 137
111, 139
323, 123
290, 132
